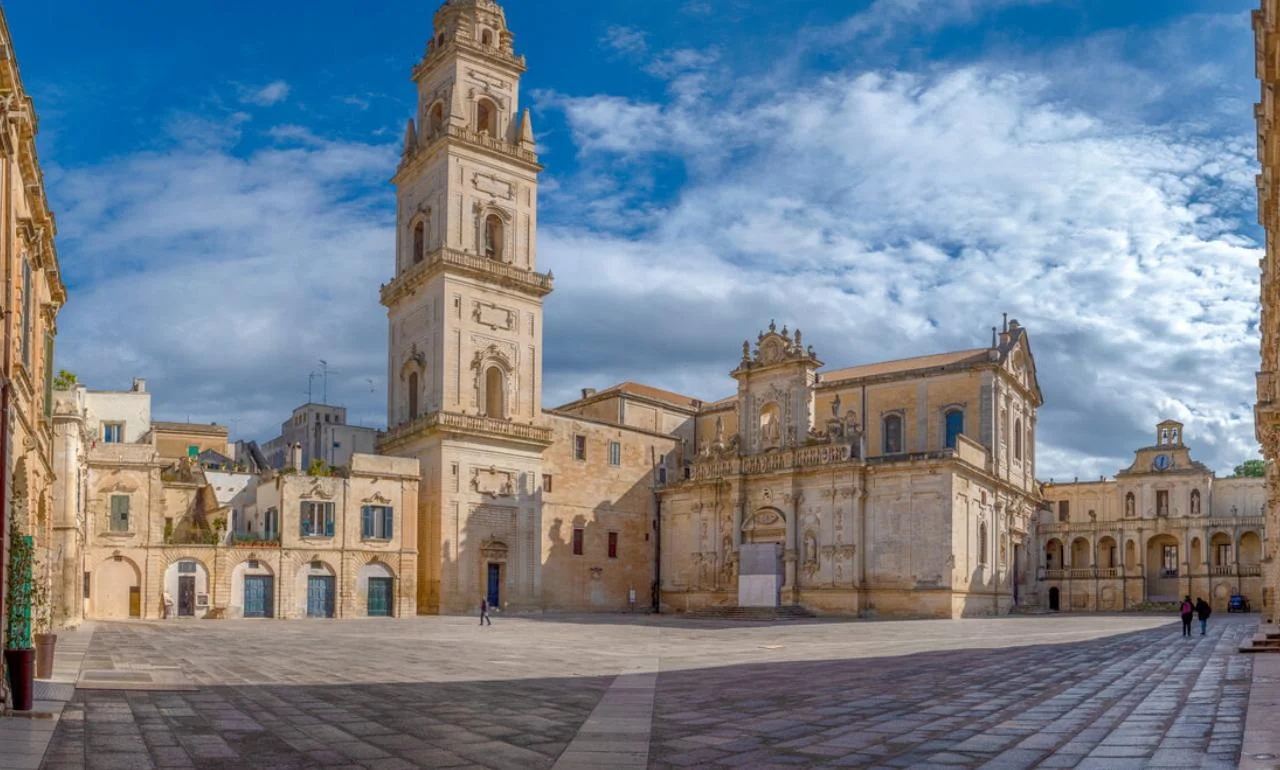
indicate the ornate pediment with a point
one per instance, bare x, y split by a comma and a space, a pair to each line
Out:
493, 482
318, 491
493, 549
377, 498
774, 347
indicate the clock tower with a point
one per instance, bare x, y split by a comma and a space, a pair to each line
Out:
464, 374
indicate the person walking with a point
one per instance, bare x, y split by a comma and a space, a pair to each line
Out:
484, 612
1187, 610
1203, 611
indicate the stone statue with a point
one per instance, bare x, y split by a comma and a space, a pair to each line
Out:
746, 350
719, 430
835, 406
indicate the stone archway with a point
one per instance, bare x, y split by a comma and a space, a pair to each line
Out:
767, 525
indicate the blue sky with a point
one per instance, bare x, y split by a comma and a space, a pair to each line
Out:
890, 176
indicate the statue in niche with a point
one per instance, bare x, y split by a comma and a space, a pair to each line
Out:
719, 430
1128, 505
835, 407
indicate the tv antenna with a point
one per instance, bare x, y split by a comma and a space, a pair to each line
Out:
324, 381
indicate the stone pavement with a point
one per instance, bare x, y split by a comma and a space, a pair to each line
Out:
24, 736
1099, 691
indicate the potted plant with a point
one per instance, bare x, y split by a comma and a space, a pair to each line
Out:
19, 657
42, 625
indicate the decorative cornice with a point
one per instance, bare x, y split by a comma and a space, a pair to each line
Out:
451, 135
445, 260
464, 424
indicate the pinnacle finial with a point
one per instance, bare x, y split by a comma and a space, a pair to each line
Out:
772, 327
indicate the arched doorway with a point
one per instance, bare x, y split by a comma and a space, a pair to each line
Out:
117, 589
1080, 554
253, 593
186, 584
1053, 599
1053, 554
1107, 556
316, 589
1164, 559
376, 583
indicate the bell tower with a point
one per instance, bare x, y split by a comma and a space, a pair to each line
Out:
464, 372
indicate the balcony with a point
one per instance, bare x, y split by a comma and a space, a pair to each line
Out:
1250, 570
254, 540
1222, 570
466, 424
474, 265
1168, 573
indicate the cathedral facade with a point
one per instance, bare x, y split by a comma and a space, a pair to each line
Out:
901, 488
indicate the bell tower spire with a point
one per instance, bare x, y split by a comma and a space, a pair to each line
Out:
464, 369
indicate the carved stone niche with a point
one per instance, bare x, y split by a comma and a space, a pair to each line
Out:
493, 482
493, 316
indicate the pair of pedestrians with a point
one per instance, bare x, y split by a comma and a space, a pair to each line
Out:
1200, 609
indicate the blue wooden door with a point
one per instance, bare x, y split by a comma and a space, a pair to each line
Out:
380, 597
320, 596
258, 596
495, 583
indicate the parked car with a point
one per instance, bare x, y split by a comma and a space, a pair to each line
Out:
1238, 604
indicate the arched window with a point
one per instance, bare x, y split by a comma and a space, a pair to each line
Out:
1017, 439
892, 434
440, 40
413, 395
437, 119
493, 237
955, 426
494, 393
982, 543
486, 38
419, 242
486, 117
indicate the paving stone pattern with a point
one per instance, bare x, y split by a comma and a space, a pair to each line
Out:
1095, 691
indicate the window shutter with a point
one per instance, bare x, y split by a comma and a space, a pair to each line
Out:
305, 521
366, 521
328, 519
387, 515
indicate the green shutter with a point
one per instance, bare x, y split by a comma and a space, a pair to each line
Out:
388, 513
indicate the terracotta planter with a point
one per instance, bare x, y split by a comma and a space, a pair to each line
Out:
21, 665
45, 644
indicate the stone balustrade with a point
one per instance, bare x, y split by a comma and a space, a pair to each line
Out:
465, 423
481, 267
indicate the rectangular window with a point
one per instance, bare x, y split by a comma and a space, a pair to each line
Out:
376, 522
186, 567
316, 519
579, 447
112, 432
1224, 555
546, 482
613, 545
615, 453
1162, 502
271, 524
119, 513
26, 314
578, 534
1170, 560
893, 434
1064, 510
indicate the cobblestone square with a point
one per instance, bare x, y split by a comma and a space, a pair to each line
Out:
1099, 691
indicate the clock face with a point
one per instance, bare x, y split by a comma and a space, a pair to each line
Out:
1162, 462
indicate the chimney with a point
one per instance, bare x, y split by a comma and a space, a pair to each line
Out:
588, 392
139, 385
295, 456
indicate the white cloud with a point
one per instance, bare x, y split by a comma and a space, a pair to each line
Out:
893, 214
887, 17
272, 93
627, 41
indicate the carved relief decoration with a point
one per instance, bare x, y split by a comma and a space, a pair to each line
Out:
492, 549
492, 185
493, 316
377, 498
493, 482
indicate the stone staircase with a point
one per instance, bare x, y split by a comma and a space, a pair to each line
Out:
791, 612
1263, 641
1030, 608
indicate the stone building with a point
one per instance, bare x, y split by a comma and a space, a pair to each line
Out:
1266, 25
1163, 528
906, 487
221, 543
32, 295
559, 508
321, 430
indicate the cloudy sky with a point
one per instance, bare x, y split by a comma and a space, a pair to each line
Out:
888, 175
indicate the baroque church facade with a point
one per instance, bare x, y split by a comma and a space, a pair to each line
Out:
904, 488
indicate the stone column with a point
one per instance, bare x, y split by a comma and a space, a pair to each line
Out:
789, 553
